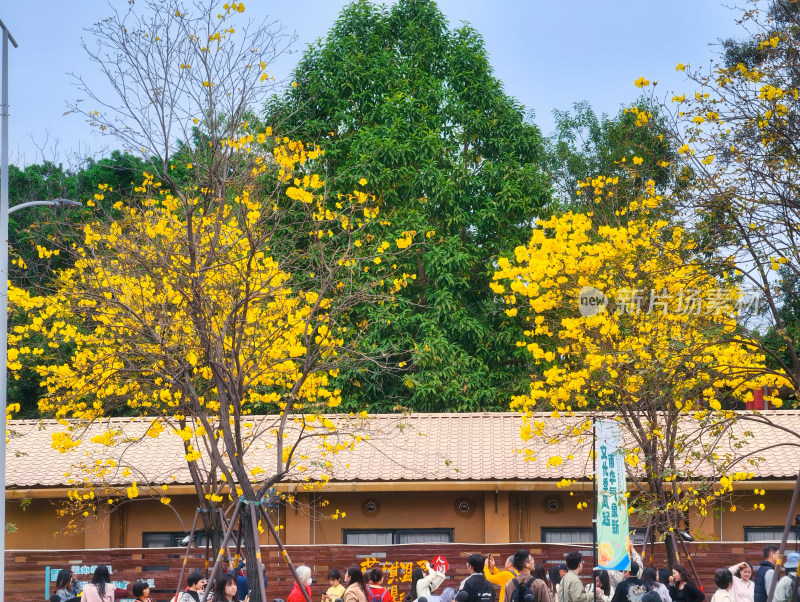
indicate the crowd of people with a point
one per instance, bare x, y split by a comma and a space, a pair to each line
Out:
520, 580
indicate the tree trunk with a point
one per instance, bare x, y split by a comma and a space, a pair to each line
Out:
672, 550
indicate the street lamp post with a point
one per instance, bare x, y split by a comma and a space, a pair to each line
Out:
4, 300
4, 213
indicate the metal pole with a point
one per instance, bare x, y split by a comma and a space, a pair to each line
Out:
284, 552
784, 539
262, 570
186, 556
222, 549
4, 301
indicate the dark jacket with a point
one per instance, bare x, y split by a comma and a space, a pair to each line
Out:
629, 590
478, 588
759, 588
689, 593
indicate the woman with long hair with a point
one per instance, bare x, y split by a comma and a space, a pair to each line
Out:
681, 588
64, 585
539, 572
422, 585
744, 588
99, 589
226, 589
650, 579
355, 592
602, 584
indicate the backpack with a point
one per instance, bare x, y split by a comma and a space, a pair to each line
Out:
373, 597
521, 591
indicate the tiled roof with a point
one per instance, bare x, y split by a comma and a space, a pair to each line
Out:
418, 447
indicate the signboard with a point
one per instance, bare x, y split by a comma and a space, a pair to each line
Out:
612, 505
83, 572
397, 575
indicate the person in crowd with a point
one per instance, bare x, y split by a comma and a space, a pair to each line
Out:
524, 564
571, 587
422, 585
196, 586
375, 590
55, 598
650, 580
723, 579
681, 588
616, 577
497, 577
554, 575
226, 589
765, 569
630, 589
99, 589
64, 585
336, 589
448, 594
562, 570
141, 591
784, 588
355, 591
77, 585
539, 572
304, 578
475, 588
663, 577
743, 586
651, 597
602, 584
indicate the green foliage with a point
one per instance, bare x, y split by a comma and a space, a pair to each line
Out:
53, 227
782, 339
585, 145
396, 96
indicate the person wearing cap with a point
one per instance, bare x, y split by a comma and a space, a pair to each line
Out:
783, 591
562, 569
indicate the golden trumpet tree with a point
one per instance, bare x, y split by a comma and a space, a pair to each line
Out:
222, 289
180, 312
624, 318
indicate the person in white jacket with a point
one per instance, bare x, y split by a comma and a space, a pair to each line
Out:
422, 585
743, 586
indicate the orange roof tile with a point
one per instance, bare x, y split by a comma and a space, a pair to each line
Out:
418, 447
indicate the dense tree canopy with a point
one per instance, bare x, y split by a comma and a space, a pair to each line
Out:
396, 95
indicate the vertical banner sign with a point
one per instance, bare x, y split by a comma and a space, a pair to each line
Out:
612, 515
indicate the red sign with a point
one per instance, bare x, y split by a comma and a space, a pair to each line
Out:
440, 564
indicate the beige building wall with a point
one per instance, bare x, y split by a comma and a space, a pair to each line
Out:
474, 517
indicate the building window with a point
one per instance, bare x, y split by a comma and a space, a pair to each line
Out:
577, 535
769, 533
171, 539
387, 537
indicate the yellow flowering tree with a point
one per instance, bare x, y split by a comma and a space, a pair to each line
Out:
737, 134
623, 318
211, 305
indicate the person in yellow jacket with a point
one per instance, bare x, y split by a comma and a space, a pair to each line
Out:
497, 577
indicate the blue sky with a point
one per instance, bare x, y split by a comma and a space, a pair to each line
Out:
548, 54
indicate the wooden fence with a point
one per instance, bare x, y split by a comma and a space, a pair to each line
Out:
28, 571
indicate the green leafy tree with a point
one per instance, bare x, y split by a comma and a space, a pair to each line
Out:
396, 95
585, 145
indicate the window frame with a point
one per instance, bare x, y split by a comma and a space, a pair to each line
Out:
552, 530
793, 531
395, 533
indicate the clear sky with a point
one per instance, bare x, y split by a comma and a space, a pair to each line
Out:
548, 54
